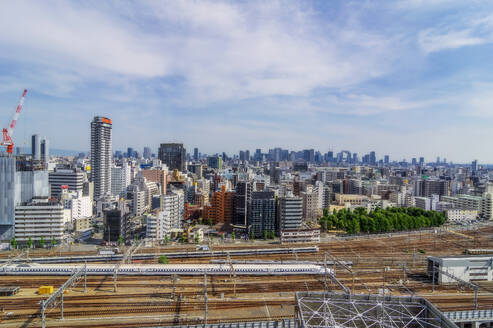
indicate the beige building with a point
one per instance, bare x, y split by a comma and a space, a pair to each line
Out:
353, 200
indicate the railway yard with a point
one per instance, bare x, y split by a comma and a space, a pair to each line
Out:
394, 264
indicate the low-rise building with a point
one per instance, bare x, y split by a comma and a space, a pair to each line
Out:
459, 215
300, 236
39, 219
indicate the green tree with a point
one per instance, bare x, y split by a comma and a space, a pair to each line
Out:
266, 234
200, 220
252, 235
163, 260
53, 242
272, 234
29, 242
42, 242
209, 221
13, 243
183, 238
120, 240
166, 240
197, 238
233, 235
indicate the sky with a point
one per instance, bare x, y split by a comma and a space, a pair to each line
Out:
406, 78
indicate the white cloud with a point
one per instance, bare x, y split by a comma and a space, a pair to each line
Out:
431, 40
221, 50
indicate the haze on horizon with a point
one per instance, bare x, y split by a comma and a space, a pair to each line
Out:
406, 78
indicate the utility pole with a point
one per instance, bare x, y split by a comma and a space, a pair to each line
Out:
205, 298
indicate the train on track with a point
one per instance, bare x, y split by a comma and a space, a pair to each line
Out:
165, 269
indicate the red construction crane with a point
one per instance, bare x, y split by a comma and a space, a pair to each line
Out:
7, 132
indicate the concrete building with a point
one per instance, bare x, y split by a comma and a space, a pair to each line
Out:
311, 204
173, 202
460, 215
173, 155
39, 218
221, 207
158, 225
120, 179
261, 213
73, 178
300, 236
80, 206
423, 203
289, 213
101, 156
466, 268
487, 206
353, 200
157, 175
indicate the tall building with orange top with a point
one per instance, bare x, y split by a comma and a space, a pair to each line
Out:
220, 209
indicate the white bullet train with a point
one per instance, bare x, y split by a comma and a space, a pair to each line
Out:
165, 269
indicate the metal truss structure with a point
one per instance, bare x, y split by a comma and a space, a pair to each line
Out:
327, 310
57, 297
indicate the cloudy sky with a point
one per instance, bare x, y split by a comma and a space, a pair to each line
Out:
407, 78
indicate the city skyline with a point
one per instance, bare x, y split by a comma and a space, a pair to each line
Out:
406, 78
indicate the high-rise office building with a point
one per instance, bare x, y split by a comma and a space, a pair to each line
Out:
173, 155
262, 213
386, 159
421, 161
147, 153
290, 212
101, 155
72, 178
474, 166
195, 154
243, 194
45, 151
130, 152
373, 158
215, 162
35, 147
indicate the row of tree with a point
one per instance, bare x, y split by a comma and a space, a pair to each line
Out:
380, 220
30, 243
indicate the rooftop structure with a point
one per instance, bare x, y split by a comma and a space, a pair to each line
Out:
327, 310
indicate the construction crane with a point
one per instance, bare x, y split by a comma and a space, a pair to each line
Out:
7, 132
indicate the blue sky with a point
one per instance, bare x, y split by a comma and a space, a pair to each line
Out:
407, 78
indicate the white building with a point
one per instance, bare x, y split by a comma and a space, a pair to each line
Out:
459, 215
79, 206
158, 225
312, 201
173, 202
120, 179
39, 219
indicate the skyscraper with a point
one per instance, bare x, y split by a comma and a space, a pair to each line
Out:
373, 158
45, 151
147, 152
173, 155
474, 166
101, 155
421, 161
195, 154
35, 147
386, 159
